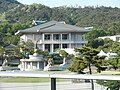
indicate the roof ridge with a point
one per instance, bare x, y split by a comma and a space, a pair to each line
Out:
48, 26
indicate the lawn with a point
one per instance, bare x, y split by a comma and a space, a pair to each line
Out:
28, 80
110, 72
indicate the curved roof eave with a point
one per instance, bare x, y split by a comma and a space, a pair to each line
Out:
53, 27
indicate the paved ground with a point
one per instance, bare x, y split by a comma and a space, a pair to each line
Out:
46, 86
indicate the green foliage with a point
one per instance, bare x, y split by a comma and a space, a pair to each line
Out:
111, 85
100, 62
115, 63
98, 17
87, 57
4, 26
10, 39
6, 5
95, 33
88, 53
105, 20
110, 45
95, 43
25, 13
114, 28
78, 65
27, 46
63, 53
1, 50
56, 58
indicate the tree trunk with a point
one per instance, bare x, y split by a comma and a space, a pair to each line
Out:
92, 83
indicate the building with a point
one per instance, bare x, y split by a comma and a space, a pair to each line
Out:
114, 38
108, 55
53, 35
35, 62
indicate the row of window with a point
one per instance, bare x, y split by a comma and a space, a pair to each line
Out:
55, 46
56, 36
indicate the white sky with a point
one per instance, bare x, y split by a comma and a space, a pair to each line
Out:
56, 3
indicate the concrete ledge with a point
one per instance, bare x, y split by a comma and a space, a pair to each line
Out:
66, 76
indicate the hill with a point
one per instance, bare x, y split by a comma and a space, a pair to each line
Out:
28, 13
6, 5
99, 17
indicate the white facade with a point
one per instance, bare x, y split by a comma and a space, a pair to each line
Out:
52, 41
52, 35
114, 38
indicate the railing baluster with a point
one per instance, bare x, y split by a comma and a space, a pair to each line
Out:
53, 83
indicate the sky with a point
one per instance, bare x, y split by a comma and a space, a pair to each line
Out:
74, 3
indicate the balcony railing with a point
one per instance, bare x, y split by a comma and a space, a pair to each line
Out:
60, 41
63, 76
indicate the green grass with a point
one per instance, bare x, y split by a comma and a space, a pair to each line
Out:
27, 80
110, 72
34, 80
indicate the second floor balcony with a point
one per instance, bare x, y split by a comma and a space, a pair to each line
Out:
62, 38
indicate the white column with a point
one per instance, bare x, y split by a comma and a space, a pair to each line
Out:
60, 46
31, 65
61, 37
38, 66
34, 37
69, 36
25, 65
44, 63
51, 37
43, 35
22, 64
75, 37
43, 47
69, 45
25, 38
70, 40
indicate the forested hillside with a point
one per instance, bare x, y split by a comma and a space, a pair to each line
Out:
6, 5
88, 16
101, 17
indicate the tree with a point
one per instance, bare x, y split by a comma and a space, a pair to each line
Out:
114, 28
114, 62
78, 65
27, 46
88, 57
95, 43
111, 85
2, 50
63, 54
95, 33
1, 39
10, 39
100, 62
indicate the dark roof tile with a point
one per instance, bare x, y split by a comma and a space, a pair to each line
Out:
53, 26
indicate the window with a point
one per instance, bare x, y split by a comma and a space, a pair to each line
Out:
47, 47
56, 46
56, 36
47, 37
64, 46
64, 36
